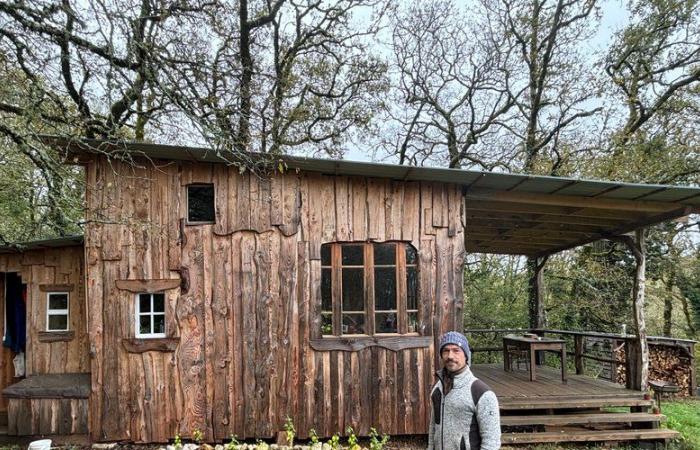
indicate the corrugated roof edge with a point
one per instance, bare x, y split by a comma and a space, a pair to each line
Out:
467, 178
65, 241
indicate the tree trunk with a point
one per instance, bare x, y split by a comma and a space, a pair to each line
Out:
638, 307
636, 245
535, 268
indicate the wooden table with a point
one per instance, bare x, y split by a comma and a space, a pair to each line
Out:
531, 346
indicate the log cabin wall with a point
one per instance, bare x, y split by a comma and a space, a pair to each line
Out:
243, 302
47, 270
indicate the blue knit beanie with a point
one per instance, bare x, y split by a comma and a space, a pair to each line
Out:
456, 338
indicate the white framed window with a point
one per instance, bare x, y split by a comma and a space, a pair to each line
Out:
150, 315
57, 306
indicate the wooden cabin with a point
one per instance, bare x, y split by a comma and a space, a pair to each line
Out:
207, 297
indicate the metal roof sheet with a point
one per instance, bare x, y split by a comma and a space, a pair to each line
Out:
535, 214
65, 241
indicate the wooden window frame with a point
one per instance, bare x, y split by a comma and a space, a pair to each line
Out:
187, 204
57, 312
138, 313
368, 267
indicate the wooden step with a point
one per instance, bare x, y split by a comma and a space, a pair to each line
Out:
588, 436
580, 419
571, 403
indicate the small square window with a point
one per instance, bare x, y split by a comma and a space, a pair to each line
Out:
200, 203
150, 315
57, 311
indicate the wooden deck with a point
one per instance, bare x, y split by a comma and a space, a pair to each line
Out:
516, 385
583, 409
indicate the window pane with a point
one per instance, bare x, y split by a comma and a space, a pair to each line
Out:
411, 288
326, 290
145, 303
384, 288
353, 323
386, 323
384, 254
159, 303
326, 255
58, 322
159, 323
353, 290
145, 324
200, 203
326, 324
58, 301
353, 255
412, 322
411, 255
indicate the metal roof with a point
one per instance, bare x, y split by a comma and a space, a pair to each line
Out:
505, 213
65, 241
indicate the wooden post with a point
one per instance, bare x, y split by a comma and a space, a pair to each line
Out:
578, 353
640, 357
536, 291
536, 296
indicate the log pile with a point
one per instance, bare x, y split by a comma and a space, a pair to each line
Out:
667, 363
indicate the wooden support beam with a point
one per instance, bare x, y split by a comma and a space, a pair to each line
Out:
478, 194
478, 214
626, 228
535, 224
641, 374
511, 207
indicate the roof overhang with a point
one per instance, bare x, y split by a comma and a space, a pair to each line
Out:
505, 213
66, 241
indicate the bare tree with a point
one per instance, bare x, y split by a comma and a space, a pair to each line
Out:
655, 61
453, 85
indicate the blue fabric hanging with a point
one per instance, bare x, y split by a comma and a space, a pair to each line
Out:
16, 310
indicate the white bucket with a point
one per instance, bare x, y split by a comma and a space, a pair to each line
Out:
42, 444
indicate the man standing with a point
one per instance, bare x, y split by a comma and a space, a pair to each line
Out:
464, 414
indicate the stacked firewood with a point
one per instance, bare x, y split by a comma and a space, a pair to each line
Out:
666, 363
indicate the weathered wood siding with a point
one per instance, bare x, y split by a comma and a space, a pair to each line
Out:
60, 269
47, 416
249, 301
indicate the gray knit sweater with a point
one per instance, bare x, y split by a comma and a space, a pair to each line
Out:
456, 422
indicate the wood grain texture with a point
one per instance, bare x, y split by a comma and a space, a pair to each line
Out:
246, 304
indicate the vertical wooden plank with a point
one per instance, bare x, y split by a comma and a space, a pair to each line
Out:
175, 212
376, 208
343, 204
249, 275
236, 339
427, 272
394, 210
190, 316
277, 182
440, 205
456, 207
221, 205
292, 205
243, 202
328, 205
410, 227
300, 375
314, 234
426, 205
359, 209
262, 342
221, 354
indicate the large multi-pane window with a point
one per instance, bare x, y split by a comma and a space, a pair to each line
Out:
369, 288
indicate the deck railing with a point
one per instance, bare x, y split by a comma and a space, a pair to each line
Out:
610, 356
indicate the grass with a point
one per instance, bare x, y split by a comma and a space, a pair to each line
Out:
684, 417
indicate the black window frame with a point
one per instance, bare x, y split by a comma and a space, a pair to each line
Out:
213, 205
331, 320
